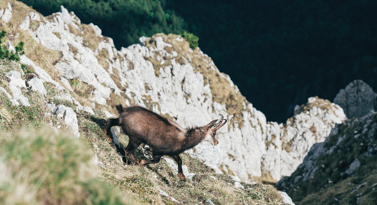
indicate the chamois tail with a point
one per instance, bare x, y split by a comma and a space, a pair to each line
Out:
109, 123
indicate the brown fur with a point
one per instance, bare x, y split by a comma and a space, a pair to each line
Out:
165, 137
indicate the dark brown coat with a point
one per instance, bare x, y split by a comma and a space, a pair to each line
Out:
165, 137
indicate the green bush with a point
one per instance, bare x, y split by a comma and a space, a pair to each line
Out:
6, 54
192, 39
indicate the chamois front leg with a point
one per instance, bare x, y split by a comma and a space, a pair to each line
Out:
178, 159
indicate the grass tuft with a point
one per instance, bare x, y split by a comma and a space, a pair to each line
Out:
56, 168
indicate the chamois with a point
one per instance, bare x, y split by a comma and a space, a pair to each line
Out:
164, 136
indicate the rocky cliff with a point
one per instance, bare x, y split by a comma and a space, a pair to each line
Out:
340, 170
73, 63
357, 99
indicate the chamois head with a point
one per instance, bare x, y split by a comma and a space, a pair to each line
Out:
211, 128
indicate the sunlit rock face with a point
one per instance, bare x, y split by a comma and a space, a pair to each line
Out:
165, 75
292, 141
357, 99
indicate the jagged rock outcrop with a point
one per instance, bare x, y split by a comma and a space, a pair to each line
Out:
68, 116
340, 170
6, 13
288, 145
163, 74
357, 99
15, 86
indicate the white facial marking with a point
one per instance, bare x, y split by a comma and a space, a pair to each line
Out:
209, 138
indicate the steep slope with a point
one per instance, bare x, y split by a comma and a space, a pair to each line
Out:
51, 166
341, 170
82, 69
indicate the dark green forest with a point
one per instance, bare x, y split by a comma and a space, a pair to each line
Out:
279, 53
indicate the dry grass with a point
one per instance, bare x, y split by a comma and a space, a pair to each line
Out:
57, 34
83, 89
116, 78
73, 49
320, 103
102, 58
157, 65
91, 40
75, 31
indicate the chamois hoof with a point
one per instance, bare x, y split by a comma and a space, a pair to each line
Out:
140, 163
183, 178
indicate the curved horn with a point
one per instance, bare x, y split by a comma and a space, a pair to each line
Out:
217, 124
222, 124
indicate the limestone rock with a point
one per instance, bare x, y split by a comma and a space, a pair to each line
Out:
167, 195
174, 166
289, 143
286, 198
208, 201
14, 102
37, 85
108, 115
66, 84
11, 48
97, 162
357, 99
6, 14
88, 110
353, 166
239, 185
160, 44
59, 111
69, 117
34, 16
15, 86
50, 106
25, 24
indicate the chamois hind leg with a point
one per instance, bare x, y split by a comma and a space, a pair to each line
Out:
156, 159
178, 159
131, 147
112, 135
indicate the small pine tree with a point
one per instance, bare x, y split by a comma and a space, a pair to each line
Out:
6, 54
192, 39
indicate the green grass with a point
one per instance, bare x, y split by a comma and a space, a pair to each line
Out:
55, 168
14, 117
